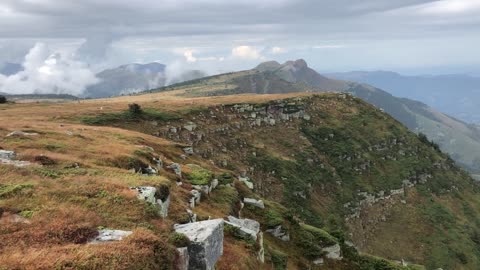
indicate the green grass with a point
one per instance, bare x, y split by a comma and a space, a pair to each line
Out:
9, 190
127, 116
200, 176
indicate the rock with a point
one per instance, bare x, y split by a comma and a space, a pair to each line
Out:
213, 184
192, 216
206, 242
163, 205
146, 194
7, 155
246, 181
279, 233
110, 235
16, 163
333, 252
261, 249
21, 133
247, 226
190, 126
188, 150
196, 196
318, 261
176, 169
183, 258
159, 162
257, 203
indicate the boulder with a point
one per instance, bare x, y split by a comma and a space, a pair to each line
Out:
206, 243
188, 150
247, 226
7, 155
163, 205
146, 194
333, 252
109, 236
246, 181
176, 169
257, 203
196, 196
279, 233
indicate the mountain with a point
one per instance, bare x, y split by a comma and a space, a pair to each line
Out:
459, 139
133, 78
454, 94
8, 69
277, 181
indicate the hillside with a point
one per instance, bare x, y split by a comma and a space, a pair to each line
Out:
342, 184
133, 78
460, 140
453, 94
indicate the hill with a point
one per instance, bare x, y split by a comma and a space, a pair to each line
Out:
460, 140
133, 78
342, 184
454, 94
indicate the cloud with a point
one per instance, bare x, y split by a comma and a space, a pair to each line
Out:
189, 56
48, 73
278, 50
331, 46
246, 52
450, 7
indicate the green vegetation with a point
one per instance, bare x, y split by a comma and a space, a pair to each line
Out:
200, 176
178, 239
3, 100
279, 259
131, 115
7, 190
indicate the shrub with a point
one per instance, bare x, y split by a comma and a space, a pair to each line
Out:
279, 259
200, 176
3, 100
135, 109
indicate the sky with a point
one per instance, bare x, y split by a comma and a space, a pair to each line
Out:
58, 38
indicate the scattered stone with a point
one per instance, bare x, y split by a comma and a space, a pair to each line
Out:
190, 126
247, 226
109, 236
159, 162
176, 168
279, 233
21, 133
195, 200
148, 194
246, 181
333, 252
318, 261
206, 242
188, 150
257, 203
192, 216
7, 155
163, 205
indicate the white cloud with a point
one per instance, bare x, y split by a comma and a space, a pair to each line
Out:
47, 73
246, 52
189, 56
447, 7
278, 50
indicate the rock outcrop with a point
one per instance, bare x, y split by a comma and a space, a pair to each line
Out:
206, 243
109, 236
246, 226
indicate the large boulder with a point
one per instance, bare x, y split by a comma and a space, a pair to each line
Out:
333, 252
148, 194
206, 243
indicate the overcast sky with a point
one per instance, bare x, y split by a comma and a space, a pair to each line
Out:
410, 36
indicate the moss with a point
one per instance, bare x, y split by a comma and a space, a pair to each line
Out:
200, 176
178, 239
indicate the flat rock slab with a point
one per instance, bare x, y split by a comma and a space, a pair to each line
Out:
206, 242
7, 155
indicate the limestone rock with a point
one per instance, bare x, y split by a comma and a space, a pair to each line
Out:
257, 203
246, 181
188, 150
247, 226
183, 258
146, 194
206, 243
279, 233
190, 126
8, 155
176, 169
110, 235
163, 205
333, 252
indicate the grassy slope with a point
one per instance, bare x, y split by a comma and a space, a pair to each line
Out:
66, 205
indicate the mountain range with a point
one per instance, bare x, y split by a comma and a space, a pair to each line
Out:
459, 139
454, 94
